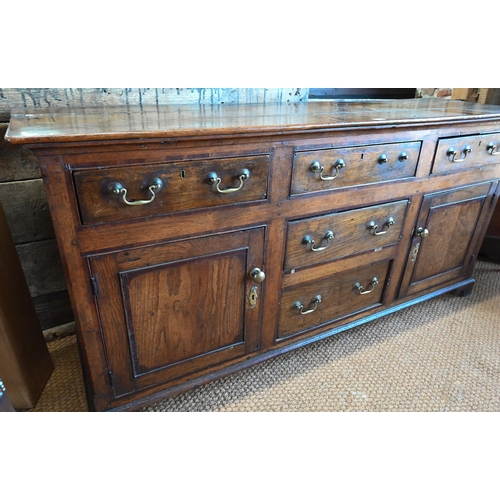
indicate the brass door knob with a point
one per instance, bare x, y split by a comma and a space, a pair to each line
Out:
257, 275
423, 233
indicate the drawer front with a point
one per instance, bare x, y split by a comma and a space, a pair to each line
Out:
459, 153
336, 296
343, 167
106, 194
330, 237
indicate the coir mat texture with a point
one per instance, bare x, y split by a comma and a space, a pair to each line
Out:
440, 355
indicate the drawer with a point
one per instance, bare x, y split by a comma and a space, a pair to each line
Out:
343, 167
336, 296
473, 151
333, 236
117, 193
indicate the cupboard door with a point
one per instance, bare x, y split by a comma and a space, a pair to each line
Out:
176, 308
445, 237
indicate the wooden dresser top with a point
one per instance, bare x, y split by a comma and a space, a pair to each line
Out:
52, 125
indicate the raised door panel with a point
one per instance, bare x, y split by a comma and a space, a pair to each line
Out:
184, 310
177, 308
445, 237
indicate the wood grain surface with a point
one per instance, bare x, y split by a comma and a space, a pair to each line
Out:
185, 310
351, 231
52, 98
185, 187
478, 157
339, 297
361, 165
135, 275
143, 122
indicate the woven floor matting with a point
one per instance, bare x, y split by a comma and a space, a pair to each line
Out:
440, 355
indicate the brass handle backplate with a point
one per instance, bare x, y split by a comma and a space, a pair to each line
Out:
452, 155
314, 303
309, 242
316, 167
215, 180
492, 149
362, 291
116, 189
373, 227
252, 299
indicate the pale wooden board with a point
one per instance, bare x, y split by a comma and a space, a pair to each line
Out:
60, 331
26, 210
461, 94
51, 97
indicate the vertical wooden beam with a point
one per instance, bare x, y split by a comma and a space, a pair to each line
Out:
25, 363
483, 96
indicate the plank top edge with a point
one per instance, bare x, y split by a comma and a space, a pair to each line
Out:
53, 125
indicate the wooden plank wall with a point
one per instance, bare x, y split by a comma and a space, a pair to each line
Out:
21, 190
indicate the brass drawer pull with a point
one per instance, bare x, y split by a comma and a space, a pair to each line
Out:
214, 179
374, 227
360, 289
116, 189
491, 149
452, 155
307, 240
382, 159
317, 167
315, 302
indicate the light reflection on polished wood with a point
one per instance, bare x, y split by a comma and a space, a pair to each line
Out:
128, 122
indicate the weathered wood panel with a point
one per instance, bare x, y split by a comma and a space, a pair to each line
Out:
53, 309
42, 267
49, 97
27, 211
25, 203
16, 163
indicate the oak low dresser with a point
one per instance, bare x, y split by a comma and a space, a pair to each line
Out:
199, 240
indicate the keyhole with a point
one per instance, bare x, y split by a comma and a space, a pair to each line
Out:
183, 174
